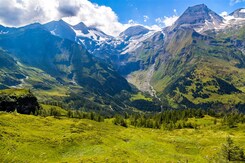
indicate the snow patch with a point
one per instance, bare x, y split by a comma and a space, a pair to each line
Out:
4, 33
92, 34
242, 10
231, 21
212, 24
53, 32
82, 41
135, 43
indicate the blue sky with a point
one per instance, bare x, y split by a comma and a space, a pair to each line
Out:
137, 9
110, 16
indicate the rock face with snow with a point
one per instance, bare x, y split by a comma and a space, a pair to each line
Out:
90, 37
61, 29
240, 13
123, 51
82, 31
120, 51
82, 28
234, 20
133, 37
132, 49
199, 17
134, 31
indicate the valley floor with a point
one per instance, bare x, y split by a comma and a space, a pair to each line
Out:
26, 138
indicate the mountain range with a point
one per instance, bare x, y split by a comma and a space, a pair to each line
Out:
198, 62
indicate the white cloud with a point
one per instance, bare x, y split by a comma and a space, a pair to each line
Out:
132, 22
167, 21
175, 12
226, 16
154, 27
22, 12
233, 2
146, 18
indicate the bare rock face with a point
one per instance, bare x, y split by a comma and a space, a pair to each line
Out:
23, 101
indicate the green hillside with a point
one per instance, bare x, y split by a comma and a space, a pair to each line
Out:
208, 73
194, 70
26, 138
59, 70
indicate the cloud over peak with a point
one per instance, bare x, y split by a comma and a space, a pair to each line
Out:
22, 12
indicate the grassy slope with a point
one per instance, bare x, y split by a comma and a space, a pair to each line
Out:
140, 96
36, 139
15, 74
203, 57
205, 73
14, 92
206, 61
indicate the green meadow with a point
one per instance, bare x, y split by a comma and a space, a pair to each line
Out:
28, 138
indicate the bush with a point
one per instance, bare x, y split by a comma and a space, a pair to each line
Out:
119, 120
232, 152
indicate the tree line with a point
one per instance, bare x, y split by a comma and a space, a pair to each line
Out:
169, 119
70, 113
176, 119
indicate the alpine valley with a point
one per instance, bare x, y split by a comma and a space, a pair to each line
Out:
198, 62
73, 93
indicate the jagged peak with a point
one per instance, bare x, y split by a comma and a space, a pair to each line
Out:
81, 27
81, 24
199, 16
58, 22
199, 6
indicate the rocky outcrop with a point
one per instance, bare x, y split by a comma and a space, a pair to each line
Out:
23, 101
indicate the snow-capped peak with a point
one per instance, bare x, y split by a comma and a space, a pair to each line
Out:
236, 18
61, 29
82, 31
239, 13
200, 18
133, 31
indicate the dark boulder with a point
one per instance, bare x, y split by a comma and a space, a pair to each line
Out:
23, 101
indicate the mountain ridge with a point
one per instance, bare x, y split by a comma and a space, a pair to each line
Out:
156, 62
68, 63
